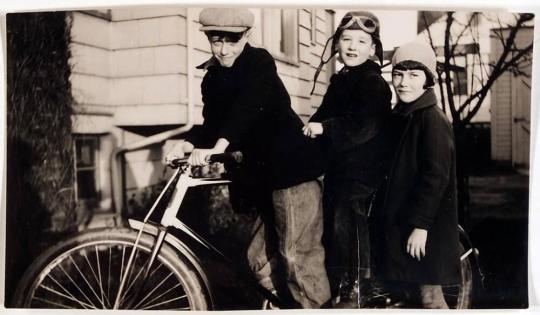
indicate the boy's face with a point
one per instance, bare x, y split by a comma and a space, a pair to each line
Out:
355, 47
409, 84
227, 48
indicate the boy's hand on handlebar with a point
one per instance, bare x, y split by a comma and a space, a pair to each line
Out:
200, 157
416, 244
313, 129
178, 152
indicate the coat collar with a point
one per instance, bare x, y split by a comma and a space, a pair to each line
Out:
213, 62
368, 65
427, 99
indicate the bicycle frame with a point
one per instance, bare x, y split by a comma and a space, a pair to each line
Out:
170, 220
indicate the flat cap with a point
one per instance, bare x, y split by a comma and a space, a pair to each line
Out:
233, 20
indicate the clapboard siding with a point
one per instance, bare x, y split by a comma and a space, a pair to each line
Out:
132, 64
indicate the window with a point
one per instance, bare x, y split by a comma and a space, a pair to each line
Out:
459, 78
86, 165
313, 33
280, 33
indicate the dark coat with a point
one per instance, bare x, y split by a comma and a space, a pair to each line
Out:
420, 193
353, 111
248, 105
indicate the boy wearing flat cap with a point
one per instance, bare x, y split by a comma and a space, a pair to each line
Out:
247, 108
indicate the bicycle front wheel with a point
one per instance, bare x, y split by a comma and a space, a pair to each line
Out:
85, 272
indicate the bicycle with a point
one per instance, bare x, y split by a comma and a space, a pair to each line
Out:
146, 267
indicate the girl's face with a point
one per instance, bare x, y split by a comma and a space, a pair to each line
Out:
409, 84
355, 47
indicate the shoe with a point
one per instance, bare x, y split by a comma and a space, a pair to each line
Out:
268, 305
348, 297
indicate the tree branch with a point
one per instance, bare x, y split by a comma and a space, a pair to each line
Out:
492, 79
446, 68
439, 76
500, 66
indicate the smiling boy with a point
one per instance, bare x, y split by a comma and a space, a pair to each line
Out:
247, 108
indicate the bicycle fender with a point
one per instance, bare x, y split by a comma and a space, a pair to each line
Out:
470, 249
178, 245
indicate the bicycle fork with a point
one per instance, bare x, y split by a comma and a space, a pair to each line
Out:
169, 219
155, 249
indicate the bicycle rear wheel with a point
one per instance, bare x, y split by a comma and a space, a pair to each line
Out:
84, 272
460, 296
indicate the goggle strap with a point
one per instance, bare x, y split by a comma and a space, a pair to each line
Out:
321, 64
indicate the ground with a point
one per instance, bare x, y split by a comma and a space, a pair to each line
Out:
499, 229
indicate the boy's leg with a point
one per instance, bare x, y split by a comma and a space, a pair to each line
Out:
299, 227
261, 259
340, 245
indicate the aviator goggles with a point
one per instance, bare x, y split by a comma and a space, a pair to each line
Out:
367, 24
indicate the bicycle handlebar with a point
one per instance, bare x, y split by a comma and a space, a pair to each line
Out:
235, 157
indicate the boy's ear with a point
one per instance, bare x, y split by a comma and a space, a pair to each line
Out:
372, 50
247, 33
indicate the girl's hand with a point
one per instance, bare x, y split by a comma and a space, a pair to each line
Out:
416, 244
312, 129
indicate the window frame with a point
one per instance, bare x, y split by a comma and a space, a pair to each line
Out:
268, 35
95, 167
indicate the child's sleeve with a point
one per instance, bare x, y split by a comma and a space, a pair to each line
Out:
435, 156
326, 109
363, 117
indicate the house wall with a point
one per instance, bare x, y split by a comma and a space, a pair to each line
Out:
511, 108
130, 77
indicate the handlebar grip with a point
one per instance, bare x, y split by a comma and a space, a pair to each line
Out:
227, 157
178, 162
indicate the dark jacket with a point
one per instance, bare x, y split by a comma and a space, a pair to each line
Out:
353, 111
420, 193
248, 105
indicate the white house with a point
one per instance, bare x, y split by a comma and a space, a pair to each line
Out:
134, 76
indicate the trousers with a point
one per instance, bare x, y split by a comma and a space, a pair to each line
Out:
286, 248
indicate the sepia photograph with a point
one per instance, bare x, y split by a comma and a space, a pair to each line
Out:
182, 157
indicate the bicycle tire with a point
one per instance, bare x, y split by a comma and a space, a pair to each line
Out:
460, 296
72, 274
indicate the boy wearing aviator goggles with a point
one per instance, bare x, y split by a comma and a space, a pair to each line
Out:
350, 121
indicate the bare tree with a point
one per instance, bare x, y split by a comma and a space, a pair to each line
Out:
463, 109
512, 59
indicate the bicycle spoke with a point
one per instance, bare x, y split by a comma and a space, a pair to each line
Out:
54, 303
155, 270
159, 296
122, 264
85, 305
86, 280
125, 275
109, 276
76, 285
95, 278
71, 295
126, 291
165, 302
130, 271
103, 297
153, 290
151, 274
